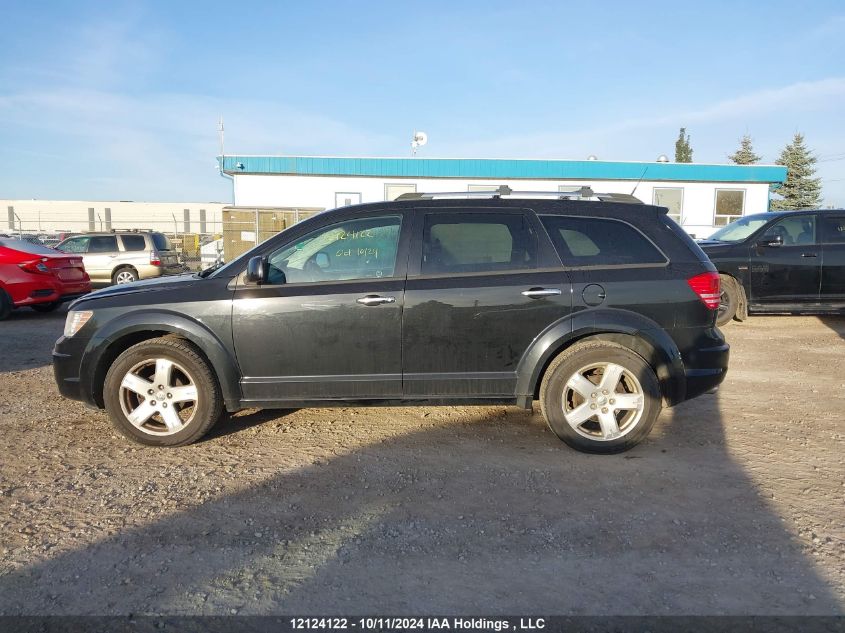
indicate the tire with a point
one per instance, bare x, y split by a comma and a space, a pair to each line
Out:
180, 413
6, 305
46, 307
728, 301
124, 276
605, 426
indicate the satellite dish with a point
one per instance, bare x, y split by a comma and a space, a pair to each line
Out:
420, 138
663, 158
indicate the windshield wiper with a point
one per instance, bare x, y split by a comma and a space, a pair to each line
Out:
205, 272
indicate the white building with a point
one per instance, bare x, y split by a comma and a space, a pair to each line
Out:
700, 197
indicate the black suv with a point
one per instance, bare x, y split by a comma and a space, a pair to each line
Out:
787, 261
601, 309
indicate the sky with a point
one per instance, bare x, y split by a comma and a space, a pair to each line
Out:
120, 100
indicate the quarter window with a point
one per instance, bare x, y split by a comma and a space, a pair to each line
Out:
730, 204
599, 242
833, 229
477, 243
357, 249
672, 198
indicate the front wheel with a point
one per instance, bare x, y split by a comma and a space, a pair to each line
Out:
161, 392
600, 397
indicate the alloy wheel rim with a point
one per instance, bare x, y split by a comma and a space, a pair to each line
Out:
603, 401
159, 397
125, 277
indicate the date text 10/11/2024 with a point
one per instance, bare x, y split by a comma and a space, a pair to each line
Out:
416, 623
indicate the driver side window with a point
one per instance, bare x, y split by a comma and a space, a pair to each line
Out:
355, 249
794, 231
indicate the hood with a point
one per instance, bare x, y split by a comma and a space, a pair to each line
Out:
146, 285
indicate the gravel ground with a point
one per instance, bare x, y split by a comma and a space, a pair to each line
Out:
734, 505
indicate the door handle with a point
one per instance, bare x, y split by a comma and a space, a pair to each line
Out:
374, 300
541, 292
808, 255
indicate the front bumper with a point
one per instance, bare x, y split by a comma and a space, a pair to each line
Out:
67, 362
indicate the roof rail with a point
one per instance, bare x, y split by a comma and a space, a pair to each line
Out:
578, 193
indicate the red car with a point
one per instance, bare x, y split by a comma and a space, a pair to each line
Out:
38, 277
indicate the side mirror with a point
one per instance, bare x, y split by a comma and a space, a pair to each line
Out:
256, 270
773, 240
322, 260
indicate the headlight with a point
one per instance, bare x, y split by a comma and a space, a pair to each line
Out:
75, 320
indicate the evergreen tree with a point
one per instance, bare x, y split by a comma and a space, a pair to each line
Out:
801, 190
683, 150
745, 154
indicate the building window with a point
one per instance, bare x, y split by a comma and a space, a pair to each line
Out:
393, 191
672, 198
346, 198
489, 187
730, 204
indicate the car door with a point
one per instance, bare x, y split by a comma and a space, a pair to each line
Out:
785, 262
481, 287
327, 323
832, 231
101, 257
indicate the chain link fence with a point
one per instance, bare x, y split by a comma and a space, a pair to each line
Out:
218, 239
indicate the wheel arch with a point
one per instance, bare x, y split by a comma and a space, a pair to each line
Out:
120, 267
631, 330
742, 307
118, 335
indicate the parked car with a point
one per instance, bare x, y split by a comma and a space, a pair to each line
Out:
38, 277
602, 310
121, 257
787, 261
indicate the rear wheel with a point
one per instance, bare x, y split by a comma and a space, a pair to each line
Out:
6, 305
46, 307
161, 392
600, 397
124, 276
728, 300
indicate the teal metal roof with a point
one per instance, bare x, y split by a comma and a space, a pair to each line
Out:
511, 169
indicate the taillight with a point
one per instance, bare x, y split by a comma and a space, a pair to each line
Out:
154, 259
36, 266
706, 286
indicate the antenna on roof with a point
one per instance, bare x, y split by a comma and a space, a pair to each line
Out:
420, 139
640, 180
222, 152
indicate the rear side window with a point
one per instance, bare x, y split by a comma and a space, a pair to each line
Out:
161, 242
133, 242
833, 229
477, 242
600, 242
102, 244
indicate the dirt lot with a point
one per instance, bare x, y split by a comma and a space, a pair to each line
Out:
734, 504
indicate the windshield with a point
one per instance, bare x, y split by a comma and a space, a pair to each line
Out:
741, 229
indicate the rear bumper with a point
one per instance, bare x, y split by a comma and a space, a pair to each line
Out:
706, 366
